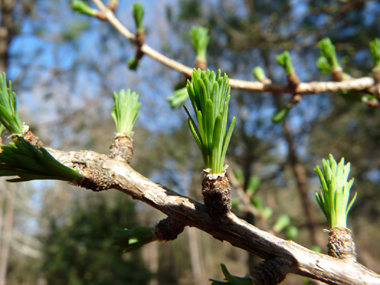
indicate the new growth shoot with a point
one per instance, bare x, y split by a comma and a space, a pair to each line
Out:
375, 52
138, 15
82, 7
210, 95
125, 111
334, 194
200, 39
23, 159
327, 62
8, 109
286, 62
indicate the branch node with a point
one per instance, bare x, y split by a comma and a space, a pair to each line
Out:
217, 196
271, 272
168, 229
122, 148
341, 244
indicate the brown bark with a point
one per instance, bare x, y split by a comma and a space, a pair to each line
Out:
237, 232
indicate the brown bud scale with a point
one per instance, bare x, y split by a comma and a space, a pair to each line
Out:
293, 79
217, 196
341, 244
202, 64
168, 229
122, 148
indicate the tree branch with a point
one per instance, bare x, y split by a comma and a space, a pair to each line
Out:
105, 173
359, 84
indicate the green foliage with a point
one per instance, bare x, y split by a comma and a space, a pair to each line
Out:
292, 232
131, 239
253, 184
23, 159
286, 62
335, 191
133, 63
282, 222
77, 248
267, 212
328, 61
125, 111
231, 279
138, 15
82, 7
178, 97
256, 201
281, 114
200, 39
210, 95
259, 73
375, 52
8, 108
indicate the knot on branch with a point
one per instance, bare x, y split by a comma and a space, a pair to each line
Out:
217, 196
341, 244
34, 140
202, 64
94, 176
271, 272
293, 79
122, 148
168, 229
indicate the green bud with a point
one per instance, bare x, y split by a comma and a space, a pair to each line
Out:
200, 39
280, 114
286, 62
375, 52
134, 238
259, 73
292, 232
267, 212
138, 15
178, 97
256, 201
82, 7
281, 223
329, 53
253, 184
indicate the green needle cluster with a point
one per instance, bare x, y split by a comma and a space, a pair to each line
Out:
131, 239
125, 111
138, 15
8, 109
285, 60
178, 97
375, 52
23, 159
82, 7
231, 279
335, 191
328, 61
200, 39
210, 95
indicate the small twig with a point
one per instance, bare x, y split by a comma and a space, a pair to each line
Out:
359, 84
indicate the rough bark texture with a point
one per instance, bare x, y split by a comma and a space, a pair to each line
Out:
217, 196
271, 272
168, 229
237, 232
34, 140
341, 245
122, 148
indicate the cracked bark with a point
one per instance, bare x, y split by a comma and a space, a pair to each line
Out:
237, 232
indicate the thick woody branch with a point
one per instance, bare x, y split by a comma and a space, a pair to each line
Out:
102, 173
302, 88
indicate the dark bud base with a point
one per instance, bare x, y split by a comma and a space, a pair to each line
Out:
122, 147
341, 244
217, 196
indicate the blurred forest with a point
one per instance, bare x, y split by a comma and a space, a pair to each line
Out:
65, 66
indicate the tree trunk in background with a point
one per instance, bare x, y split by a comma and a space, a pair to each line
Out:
197, 262
5, 32
7, 236
300, 174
